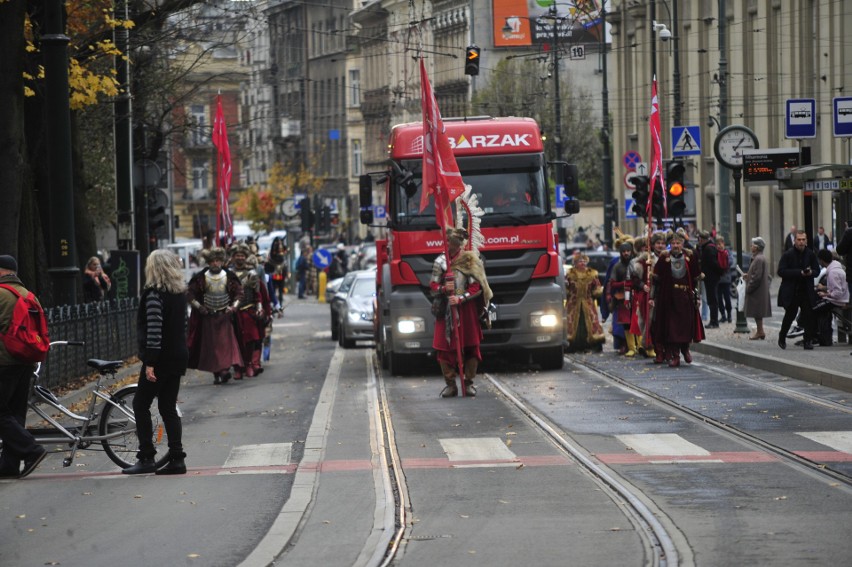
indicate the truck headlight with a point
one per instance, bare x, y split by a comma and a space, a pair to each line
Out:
543, 319
409, 325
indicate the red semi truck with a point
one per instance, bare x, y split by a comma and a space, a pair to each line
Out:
503, 160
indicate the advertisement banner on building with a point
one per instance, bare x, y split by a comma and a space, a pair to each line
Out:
523, 23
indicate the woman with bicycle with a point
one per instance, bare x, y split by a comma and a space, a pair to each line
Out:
160, 326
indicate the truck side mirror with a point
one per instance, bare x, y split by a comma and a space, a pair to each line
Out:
572, 207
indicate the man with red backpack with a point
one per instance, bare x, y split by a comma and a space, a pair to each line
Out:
18, 443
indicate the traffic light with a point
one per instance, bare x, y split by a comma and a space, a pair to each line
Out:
306, 214
676, 185
640, 195
657, 205
324, 221
471, 60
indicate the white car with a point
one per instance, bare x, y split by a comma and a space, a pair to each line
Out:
357, 310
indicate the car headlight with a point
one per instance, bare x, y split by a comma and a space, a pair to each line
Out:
356, 315
544, 319
409, 325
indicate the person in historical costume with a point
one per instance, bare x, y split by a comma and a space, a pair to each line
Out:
468, 291
215, 294
584, 329
250, 313
618, 294
639, 269
676, 321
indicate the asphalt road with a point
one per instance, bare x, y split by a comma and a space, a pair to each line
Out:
290, 468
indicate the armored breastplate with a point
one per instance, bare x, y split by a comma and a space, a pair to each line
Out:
248, 279
216, 296
678, 267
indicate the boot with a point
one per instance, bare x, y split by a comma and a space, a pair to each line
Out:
687, 356
450, 390
255, 362
631, 344
470, 367
238, 372
145, 465
175, 464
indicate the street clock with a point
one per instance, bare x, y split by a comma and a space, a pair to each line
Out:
730, 143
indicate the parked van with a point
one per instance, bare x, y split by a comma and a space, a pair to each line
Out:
187, 251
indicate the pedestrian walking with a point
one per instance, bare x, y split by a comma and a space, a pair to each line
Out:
709, 261
676, 322
250, 312
618, 294
723, 288
467, 290
215, 294
18, 444
303, 266
96, 284
797, 269
758, 304
160, 325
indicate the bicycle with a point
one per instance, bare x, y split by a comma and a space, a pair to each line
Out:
113, 427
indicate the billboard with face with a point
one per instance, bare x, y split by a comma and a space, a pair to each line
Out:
523, 23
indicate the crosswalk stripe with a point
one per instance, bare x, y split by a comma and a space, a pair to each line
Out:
477, 449
839, 440
662, 445
265, 455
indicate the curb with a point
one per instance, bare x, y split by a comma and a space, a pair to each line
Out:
821, 376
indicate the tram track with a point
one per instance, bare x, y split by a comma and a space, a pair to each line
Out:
820, 469
666, 545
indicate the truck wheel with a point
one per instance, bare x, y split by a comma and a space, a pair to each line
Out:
551, 358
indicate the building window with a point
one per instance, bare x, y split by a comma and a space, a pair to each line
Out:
357, 158
199, 121
199, 179
354, 87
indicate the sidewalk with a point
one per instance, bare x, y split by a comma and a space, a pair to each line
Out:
828, 366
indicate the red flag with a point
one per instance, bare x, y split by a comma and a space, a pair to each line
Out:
656, 151
441, 175
220, 140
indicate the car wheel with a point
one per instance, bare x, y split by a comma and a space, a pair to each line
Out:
334, 329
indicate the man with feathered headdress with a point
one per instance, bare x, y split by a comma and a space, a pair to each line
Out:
469, 291
215, 294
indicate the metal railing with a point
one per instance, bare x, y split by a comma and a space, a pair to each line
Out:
108, 328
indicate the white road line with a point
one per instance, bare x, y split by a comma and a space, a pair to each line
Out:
476, 449
838, 440
268, 454
661, 444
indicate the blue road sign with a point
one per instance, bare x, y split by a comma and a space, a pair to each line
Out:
801, 118
686, 140
298, 198
379, 211
628, 209
630, 159
322, 258
842, 116
561, 197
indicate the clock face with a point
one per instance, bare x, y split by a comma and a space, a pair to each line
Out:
288, 208
730, 144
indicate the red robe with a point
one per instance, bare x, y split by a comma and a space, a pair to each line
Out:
677, 319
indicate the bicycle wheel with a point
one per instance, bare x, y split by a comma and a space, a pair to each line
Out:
121, 449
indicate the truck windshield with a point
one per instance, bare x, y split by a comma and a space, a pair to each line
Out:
508, 196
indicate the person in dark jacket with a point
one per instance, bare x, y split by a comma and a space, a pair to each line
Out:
712, 272
797, 269
844, 248
160, 326
18, 443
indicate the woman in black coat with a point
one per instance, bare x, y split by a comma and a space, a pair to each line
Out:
160, 326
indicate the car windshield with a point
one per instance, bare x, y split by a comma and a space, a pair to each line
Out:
347, 282
364, 287
513, 194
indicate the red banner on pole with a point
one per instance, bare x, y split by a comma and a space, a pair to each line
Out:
223, 193
441, 175
656, 152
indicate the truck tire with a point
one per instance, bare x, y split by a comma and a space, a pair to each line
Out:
396, 363
551, 358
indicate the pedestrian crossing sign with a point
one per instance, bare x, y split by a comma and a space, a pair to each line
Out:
686, 141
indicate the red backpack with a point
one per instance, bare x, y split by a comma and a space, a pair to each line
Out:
722, 258
26, 339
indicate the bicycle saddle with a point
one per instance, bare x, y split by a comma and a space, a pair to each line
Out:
105, 366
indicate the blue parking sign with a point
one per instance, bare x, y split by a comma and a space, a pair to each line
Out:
379, 211
561, 197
